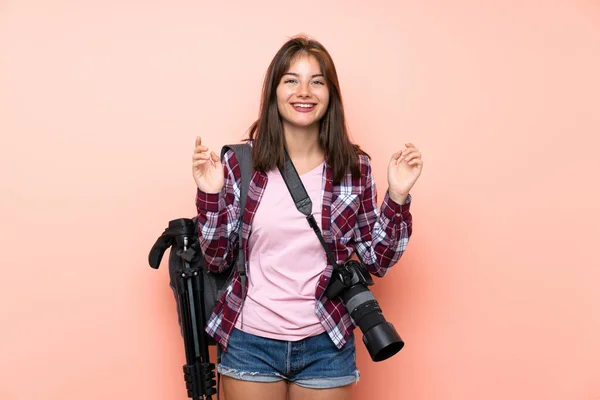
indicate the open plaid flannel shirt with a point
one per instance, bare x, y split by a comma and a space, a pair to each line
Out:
350, 220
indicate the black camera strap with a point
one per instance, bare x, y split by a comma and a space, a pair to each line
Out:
303, 202
379, 336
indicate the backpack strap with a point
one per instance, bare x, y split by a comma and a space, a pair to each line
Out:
244, 157
243, 153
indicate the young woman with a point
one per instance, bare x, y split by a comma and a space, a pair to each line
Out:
285, 338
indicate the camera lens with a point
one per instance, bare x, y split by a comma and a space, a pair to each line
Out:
379, 336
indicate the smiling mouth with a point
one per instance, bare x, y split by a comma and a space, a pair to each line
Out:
303, 107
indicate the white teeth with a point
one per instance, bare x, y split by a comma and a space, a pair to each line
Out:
304, 105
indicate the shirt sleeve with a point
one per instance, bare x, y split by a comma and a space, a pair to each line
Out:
381, 235
219, 217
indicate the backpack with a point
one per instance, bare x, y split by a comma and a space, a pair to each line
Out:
182, 236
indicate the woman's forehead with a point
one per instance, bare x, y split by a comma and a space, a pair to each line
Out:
304, 63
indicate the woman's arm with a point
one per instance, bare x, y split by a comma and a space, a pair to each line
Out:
381, 236
219, 218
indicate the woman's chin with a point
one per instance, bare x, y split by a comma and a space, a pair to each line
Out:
303, 123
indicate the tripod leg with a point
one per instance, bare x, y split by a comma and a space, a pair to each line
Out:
198, 371
207, 367
191, 368
186, 319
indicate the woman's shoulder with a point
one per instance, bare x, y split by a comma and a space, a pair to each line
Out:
363, 158
364, 164
232, 163
230, 153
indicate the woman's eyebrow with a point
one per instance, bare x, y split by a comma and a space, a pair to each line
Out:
297, 75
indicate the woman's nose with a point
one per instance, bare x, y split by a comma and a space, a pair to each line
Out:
303, 90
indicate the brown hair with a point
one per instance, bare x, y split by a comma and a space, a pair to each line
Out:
267, 132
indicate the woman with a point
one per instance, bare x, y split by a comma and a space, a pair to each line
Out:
288, 340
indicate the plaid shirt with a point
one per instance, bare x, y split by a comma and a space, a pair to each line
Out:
350, 221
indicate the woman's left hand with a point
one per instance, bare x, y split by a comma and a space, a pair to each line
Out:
403, 171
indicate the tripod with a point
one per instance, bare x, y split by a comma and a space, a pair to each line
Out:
196, 290
189, 288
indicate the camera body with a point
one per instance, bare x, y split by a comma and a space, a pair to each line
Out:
350, 283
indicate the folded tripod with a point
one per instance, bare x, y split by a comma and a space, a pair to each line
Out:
196, 290
188, 282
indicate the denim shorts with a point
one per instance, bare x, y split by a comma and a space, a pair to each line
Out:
314, 362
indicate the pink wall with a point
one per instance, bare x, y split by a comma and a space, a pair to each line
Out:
100, 102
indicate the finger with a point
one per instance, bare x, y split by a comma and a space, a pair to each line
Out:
200, 162
200, 149
215, 157
412, 156
402, 156
409, 145
201, 156
405, 154
396, 156
417, 161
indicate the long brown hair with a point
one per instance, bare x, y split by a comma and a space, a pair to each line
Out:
267, 132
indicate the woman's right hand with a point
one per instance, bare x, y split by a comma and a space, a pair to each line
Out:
207, 169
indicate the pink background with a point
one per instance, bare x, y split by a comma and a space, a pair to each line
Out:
100, 102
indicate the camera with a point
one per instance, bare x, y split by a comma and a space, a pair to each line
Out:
350, 282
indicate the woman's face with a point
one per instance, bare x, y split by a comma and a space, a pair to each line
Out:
302, 93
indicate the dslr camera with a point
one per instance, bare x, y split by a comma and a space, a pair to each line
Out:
350, 283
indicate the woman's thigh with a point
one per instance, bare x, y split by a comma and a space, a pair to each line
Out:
235, 389
302, 393
322, 366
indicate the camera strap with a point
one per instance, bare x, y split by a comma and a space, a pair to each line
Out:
303, 202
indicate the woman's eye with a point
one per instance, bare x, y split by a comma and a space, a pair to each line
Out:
319, 82
289, 81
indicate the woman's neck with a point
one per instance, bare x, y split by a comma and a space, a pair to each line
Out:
303, 146
302, 142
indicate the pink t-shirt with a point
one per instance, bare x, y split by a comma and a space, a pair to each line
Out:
286, 261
